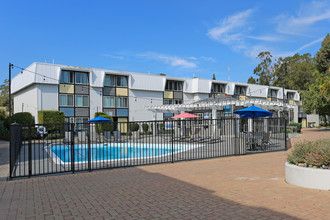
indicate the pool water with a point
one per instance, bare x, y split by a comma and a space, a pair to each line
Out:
100, 152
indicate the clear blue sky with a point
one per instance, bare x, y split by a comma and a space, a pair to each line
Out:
179, 38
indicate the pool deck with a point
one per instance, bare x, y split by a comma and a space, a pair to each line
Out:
244, 187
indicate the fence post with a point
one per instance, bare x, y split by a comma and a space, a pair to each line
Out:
11, 159
285, 135
30, 151
89, 148
72, 148
172, 141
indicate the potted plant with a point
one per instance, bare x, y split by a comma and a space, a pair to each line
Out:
308, 165
134, 127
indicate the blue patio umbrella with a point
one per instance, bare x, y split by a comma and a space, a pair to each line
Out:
253, 112
99, 119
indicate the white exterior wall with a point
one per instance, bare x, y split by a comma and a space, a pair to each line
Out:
136, 107
26, 101
47, 97
188, 98
313, 118
95, 97
295, 112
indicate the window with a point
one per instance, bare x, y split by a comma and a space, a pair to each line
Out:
108, 101
66, 77
109, 80
121, 81
66, 100
290, 95
177, 101
82, 126
122, 102
272, 93
81, 78
218, 88
240, 90
81, 100
173, 85
168, 101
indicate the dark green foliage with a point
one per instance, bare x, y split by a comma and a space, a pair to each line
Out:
104, 126
3, 129
51, 117
3, 115
295, 72
53, 136
134, 126
265, 69
19, 118
29, 132
4, 93
145, 127
323, 56
252, 80
298, 125
213, 78
315, 153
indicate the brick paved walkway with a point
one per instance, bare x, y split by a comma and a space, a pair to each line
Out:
245, 187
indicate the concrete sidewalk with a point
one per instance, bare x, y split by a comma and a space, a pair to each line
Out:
4, 160
244, 187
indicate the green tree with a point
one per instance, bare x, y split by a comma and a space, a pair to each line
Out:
318, 96
323, 56
4, 93
265, 69
213, 78
295, 72
252, 80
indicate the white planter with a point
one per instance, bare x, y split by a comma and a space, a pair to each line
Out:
307, 177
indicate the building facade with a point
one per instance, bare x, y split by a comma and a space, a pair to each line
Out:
80, 92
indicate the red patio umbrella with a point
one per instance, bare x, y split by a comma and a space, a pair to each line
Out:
185, 115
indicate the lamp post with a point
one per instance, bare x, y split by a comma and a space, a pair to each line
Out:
9, 87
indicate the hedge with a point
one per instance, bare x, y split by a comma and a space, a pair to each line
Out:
134, 126
105, 126
298, 125
19, 118
51, 117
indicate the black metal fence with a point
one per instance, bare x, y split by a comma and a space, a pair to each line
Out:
56, 148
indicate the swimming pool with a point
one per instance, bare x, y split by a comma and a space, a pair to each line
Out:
111, 151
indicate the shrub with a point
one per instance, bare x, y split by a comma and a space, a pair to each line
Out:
51, 117
298, 125
134, 126
3, 115
289, 131
3, 129
104, 126
53, 136
145, 127
315, 153
19, 118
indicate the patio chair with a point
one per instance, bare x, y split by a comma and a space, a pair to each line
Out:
266, 139
107, 136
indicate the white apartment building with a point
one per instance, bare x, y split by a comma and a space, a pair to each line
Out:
80, 92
